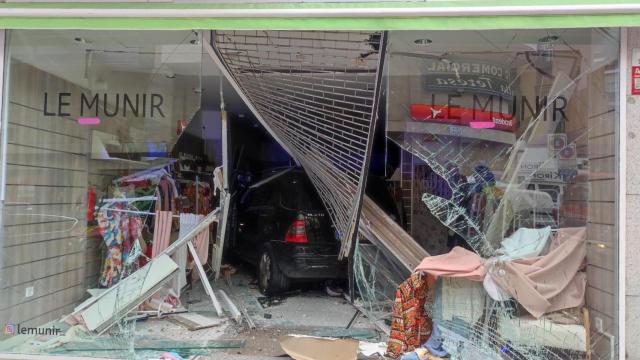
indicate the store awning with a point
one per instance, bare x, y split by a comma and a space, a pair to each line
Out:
394, 15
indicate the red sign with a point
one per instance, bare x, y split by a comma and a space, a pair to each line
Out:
463, 116
635, 80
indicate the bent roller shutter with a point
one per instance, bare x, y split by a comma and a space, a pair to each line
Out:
317, 93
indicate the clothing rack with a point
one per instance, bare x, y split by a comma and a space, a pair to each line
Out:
148, 170
134, 212
129, 200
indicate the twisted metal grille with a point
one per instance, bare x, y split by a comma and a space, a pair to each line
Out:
317, 94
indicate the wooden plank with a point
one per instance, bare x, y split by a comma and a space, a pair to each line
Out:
20, 215
27, 175
602, 146
602, 234
30, 90
601, 301
92, 268
47, 162
602, 125
602, 279
40, 306
24, 115
194, 321
29, 194
29, 234
21, 254
602, 168
22, 155
52, 315
91, 281
603, 257
15, 295
47, 140
33, 271
576, 192
603, 190
601, 212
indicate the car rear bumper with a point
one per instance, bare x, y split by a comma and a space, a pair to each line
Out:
307, 262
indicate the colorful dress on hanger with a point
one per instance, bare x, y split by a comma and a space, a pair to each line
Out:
119, 231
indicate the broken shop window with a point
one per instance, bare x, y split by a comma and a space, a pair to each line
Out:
491, 234
504, 197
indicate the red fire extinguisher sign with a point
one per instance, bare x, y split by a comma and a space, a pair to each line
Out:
635, 80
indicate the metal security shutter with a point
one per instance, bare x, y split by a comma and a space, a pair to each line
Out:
317, 93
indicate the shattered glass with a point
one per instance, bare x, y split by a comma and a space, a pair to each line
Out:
497, 132
501, 131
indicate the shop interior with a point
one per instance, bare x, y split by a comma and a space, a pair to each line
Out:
197, 194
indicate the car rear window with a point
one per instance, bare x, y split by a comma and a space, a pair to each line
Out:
297, 193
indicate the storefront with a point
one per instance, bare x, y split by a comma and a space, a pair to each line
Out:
505, 131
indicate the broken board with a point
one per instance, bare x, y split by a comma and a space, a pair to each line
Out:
117, 301
194, 321
302, 347
383, 231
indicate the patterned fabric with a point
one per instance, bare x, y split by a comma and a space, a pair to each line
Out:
119, 231
410, 326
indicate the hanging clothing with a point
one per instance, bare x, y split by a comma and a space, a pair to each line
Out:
167, 194
201, 243
108, 223
119, 231
410, 325
200, 192
91, 204
161, 232
187, 222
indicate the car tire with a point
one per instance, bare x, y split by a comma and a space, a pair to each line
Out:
270, 279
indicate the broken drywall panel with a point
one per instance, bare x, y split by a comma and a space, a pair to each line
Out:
235, 313
194, 321
130, 292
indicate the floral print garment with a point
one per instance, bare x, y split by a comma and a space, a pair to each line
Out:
410, 326
119, 231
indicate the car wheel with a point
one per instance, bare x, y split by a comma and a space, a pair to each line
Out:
270, 279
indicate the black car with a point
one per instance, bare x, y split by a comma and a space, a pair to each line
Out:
283, 228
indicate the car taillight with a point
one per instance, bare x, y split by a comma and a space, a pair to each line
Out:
297, 232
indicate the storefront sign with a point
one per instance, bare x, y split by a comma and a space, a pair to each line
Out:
487, 111
463, 116
468, 76
109, 105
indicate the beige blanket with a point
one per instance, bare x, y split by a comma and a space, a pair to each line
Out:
540, 284
551, 282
